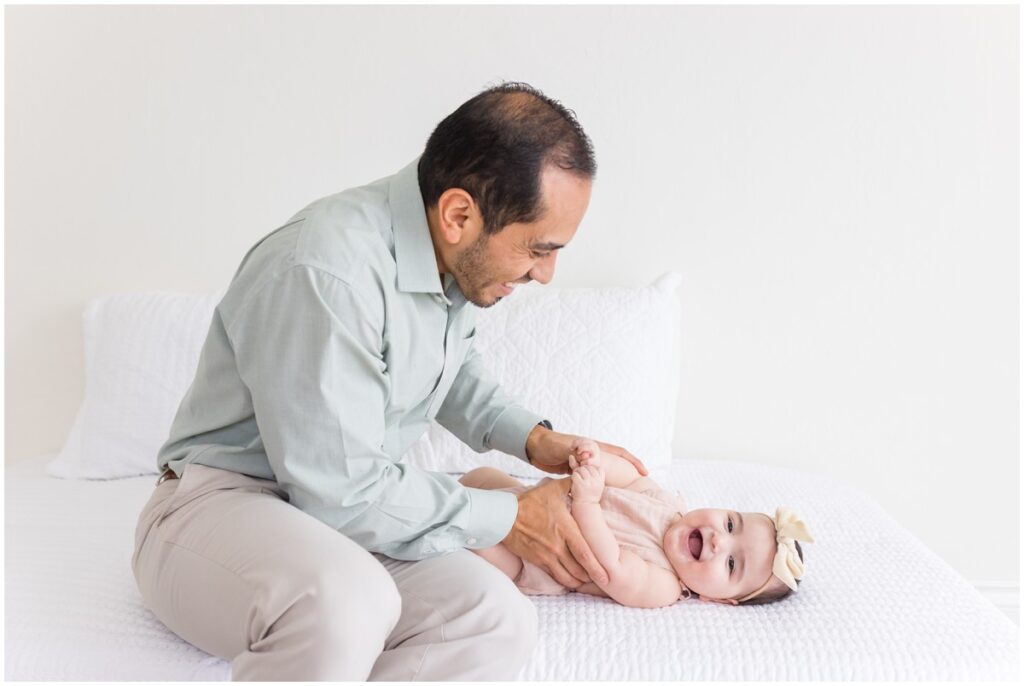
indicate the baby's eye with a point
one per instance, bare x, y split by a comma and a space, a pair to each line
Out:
732, 564
729, 525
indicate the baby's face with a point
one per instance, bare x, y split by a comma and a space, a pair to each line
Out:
721, 554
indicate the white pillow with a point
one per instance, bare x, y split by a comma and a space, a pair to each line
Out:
600, 362
597, 362
141, 353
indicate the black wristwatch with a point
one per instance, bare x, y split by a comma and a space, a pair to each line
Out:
547, 425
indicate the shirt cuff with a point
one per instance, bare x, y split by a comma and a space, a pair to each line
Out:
493, 513
510, 430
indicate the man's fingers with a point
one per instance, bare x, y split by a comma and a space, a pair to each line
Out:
573, 567
638, 464
585, 557
625, 454
563, 577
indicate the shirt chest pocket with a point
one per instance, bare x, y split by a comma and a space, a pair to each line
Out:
456, 349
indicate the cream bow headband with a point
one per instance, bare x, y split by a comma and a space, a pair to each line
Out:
787, 566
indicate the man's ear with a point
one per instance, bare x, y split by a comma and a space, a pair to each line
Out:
459, 217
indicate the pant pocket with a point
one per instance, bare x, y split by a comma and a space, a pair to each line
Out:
198, 480
151, 513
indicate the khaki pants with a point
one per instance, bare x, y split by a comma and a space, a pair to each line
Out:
227, 564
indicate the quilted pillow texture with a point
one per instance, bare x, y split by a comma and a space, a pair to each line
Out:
601, 362
598, 362
141, 353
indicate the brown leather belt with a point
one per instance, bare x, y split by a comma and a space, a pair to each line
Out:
167, 475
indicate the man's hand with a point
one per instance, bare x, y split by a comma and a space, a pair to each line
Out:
549, 451
545, 534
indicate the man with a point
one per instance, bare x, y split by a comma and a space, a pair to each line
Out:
285, 533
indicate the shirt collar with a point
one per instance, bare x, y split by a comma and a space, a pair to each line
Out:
414, 250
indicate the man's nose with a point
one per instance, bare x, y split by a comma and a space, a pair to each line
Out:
544, 268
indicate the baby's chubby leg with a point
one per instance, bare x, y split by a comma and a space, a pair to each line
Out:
489, 478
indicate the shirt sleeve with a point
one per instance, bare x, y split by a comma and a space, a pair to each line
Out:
482, 415
308, 347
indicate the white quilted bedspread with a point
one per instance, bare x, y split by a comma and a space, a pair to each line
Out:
875, 604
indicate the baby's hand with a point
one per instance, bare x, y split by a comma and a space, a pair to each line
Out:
584, 451
587, 483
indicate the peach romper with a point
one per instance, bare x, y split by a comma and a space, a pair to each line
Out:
637, 517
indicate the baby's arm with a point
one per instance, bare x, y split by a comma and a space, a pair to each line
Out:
643, 584
587, 486
632, 581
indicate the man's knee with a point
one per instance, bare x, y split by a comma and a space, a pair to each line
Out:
349, 603
521, 628
367, 589
479, 625
512, 616
325, 619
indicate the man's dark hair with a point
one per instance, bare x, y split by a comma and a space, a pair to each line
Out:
495, 147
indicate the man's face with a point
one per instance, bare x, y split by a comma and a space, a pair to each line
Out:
490, 266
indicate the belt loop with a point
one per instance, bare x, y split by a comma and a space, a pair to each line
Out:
166, 475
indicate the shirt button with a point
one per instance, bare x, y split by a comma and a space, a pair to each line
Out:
471, 541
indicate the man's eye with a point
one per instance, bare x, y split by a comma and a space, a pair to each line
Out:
540, 254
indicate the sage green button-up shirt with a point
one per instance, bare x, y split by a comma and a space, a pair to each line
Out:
332, 350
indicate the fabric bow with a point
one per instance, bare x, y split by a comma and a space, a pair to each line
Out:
788, 529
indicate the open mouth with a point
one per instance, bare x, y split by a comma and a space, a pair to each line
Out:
696, 544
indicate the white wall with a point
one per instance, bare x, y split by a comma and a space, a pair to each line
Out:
838, 186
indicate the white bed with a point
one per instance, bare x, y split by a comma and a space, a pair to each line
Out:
875, 604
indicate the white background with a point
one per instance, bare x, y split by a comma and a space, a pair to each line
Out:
837, 185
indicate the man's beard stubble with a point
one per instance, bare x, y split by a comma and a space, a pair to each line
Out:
471, 273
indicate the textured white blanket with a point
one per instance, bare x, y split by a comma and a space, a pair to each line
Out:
875, 603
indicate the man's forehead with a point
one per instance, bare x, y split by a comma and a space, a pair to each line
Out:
536, 237
544, 236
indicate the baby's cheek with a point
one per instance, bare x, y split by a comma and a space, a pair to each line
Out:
676, 557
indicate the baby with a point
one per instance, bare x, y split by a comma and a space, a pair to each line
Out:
655, 552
